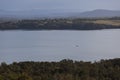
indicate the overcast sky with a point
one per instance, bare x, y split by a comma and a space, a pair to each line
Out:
75, 5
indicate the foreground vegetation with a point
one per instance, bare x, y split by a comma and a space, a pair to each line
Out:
63, 70
61, 24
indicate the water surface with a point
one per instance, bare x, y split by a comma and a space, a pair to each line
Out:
55, 45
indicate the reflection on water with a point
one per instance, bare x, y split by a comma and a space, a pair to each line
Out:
59, 44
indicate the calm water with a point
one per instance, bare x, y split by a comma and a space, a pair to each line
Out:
56, 45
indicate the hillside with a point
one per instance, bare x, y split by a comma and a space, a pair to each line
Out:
64, 70
61, 24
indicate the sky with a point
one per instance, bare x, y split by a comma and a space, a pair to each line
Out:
72, 5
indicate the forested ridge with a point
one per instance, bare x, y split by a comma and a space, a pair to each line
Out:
63, 70
61, 24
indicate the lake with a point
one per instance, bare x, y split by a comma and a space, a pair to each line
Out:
55, 45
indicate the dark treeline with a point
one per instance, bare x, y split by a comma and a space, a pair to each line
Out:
56, 24
63, 70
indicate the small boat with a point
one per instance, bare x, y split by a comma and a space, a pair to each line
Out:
76, 45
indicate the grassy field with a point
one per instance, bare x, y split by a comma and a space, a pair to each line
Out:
107, 22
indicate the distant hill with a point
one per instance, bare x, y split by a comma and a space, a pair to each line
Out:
58, 14
100, 13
